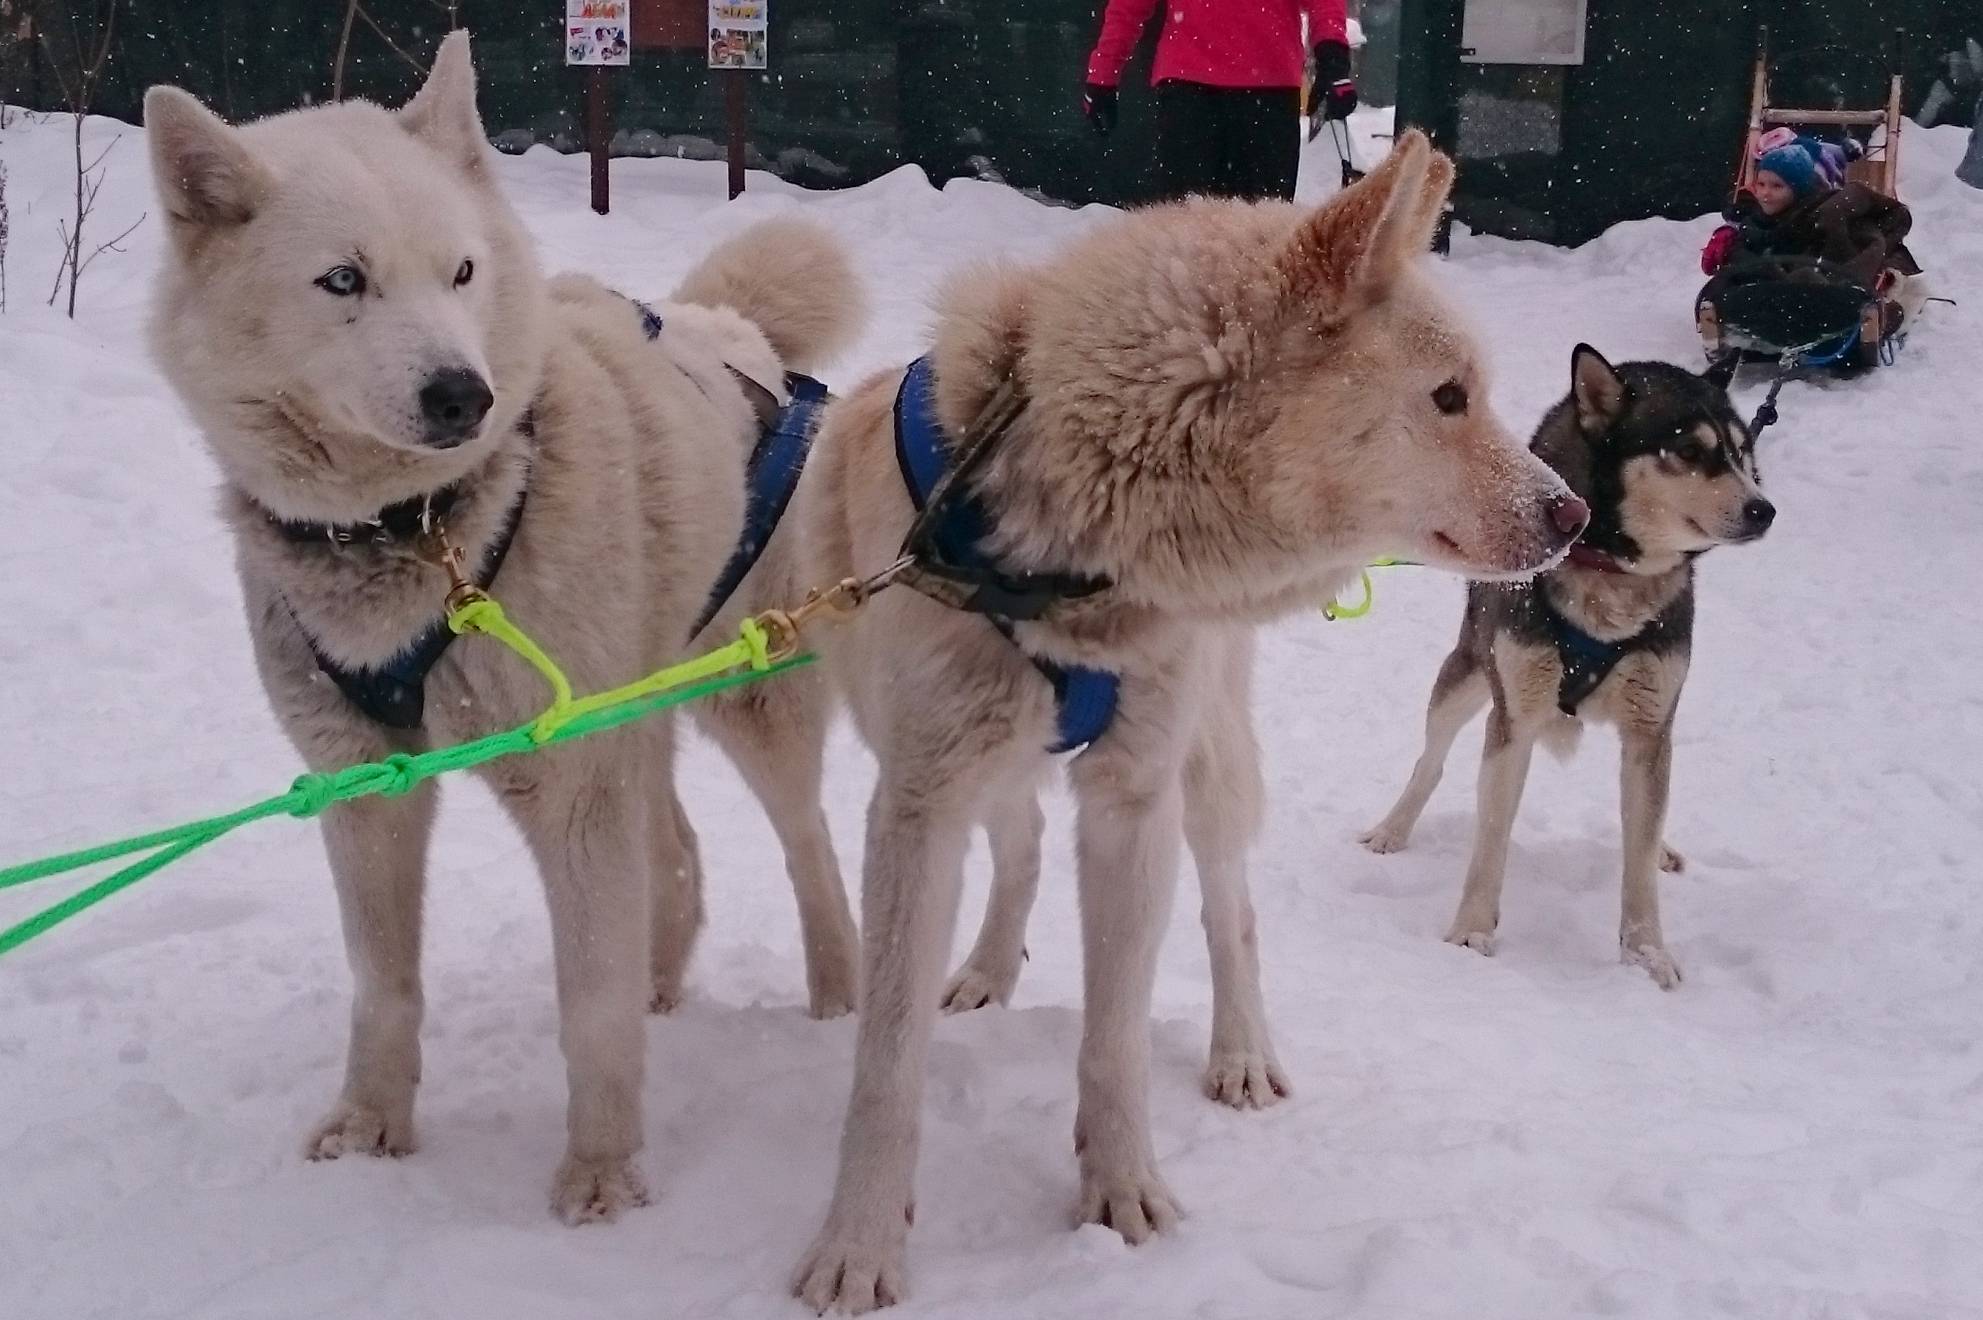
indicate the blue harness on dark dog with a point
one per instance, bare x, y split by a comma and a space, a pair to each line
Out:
951, 544
1586, 660
394, 694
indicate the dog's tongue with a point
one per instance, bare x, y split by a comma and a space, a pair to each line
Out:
1584, 557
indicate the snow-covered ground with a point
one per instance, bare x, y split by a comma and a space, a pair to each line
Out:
1797, 1132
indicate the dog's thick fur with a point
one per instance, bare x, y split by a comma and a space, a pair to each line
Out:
633, 456
1668, 469
1229, 408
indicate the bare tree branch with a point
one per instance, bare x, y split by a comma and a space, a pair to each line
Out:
78, 78
343, 46
62, 228
111, 246
412, 63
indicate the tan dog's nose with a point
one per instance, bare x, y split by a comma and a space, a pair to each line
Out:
1570, 514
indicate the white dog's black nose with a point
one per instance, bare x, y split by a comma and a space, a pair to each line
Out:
453, 401
1757, 515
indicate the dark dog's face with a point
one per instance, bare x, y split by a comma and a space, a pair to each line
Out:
1673, 468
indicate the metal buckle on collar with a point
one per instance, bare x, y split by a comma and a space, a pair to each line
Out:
346, 536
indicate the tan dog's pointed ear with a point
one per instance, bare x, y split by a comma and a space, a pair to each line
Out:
204, 172
1352, 249
442, 113
1598, 389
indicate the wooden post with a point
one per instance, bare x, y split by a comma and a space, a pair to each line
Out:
733, 104
598, 134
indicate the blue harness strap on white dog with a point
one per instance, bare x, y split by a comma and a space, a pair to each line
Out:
1084, 699
770, 476
776, 463
395, 693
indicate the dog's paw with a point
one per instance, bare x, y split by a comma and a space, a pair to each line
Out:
355, 1129
663, 999
1386, 838
1134, 1202
1467, 936
979, 987
1656, 960
596, 1191
832, 996
1670, 860
1246, 1079
829, 1004
848, 1275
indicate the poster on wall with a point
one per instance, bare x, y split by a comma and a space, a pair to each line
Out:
596, 32
1523, 32
737, 34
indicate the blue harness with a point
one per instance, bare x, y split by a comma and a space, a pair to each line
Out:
772, 473
395, 693
1084, 699
1586, 660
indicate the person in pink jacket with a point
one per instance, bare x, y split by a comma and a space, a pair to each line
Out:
1228, 80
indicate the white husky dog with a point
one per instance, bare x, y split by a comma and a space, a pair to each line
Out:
352, 313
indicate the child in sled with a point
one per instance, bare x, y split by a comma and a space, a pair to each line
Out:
1796, 226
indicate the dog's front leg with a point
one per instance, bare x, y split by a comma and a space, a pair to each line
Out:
918, 828
1645, 770
1504, 769
1128, 829
378, 851
586, 827
1222, 808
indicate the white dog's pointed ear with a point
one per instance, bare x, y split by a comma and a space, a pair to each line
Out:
1597, 387
1414, 235
1355, 246
204, 172
442, 113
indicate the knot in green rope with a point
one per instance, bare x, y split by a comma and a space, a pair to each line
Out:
313, 795
394, 776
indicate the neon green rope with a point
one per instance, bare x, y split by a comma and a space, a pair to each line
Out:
312, 794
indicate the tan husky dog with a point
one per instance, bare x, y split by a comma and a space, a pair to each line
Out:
1227, 409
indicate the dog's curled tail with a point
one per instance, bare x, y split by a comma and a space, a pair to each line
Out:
793, 280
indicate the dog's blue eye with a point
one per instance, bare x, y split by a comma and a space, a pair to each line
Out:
464, 273
344, 281
1450, 398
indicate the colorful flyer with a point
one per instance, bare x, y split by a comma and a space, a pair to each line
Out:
737, 31
598, 32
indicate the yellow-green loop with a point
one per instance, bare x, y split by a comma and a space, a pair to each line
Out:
1335, 609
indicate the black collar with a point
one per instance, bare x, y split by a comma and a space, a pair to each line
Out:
395, 693
401, 523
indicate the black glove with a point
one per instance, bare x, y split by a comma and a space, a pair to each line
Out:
1333, 84
1098, 107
